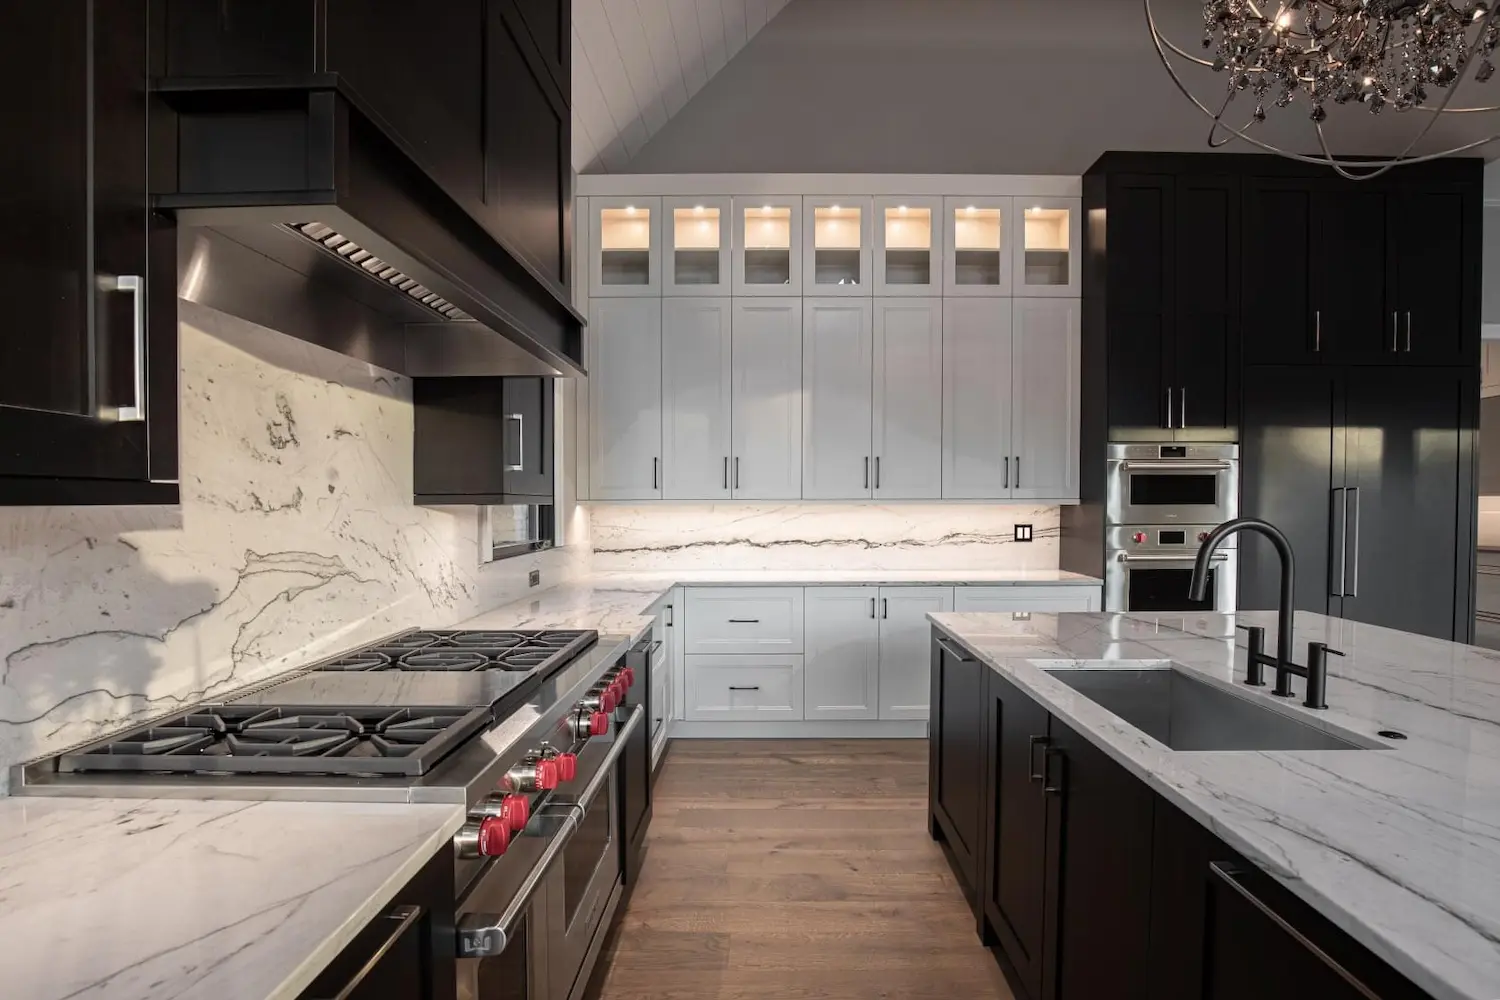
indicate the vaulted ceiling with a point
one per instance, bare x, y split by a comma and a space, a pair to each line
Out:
637, 62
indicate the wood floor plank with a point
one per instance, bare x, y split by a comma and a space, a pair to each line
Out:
795, 869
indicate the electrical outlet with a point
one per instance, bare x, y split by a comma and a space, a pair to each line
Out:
534, 578
1023, 532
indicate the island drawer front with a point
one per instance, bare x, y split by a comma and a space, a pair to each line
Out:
744, 688
1079, 598
743, 620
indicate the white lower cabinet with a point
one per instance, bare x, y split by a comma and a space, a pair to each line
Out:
842, 653
848, 656
744, 688
906, 648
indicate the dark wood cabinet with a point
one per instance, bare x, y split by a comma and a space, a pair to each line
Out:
405, 953
1369, 472
484, 440
88, 387
1434, 235
1165, 276
1016, 844
1280, 327
956, 762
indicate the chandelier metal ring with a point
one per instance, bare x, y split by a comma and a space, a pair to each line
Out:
1380, 53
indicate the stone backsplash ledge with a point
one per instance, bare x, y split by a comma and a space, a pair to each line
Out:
296, 537
820, 536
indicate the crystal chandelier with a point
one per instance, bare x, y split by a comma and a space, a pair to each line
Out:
1405, 55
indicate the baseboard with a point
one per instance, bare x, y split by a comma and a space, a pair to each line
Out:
891, 729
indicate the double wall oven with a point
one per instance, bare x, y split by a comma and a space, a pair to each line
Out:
1161, 501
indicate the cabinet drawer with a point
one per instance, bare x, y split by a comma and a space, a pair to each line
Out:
1026, 599
744, 620
744, 688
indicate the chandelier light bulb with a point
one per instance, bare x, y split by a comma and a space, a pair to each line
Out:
1407, 55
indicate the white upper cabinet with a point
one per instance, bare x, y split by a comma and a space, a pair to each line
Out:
977, 382
1044, 434
696, 235
907, 433
695, 398
767, 251
766, 397
908, 246
1049, 247
977, 245
837, 362
906, 648
624, 247
836, 245
625, 399
841, 675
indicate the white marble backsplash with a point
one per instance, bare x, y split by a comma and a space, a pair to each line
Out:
820, 536
296, 536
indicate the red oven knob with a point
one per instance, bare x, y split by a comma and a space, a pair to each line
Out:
599, 723
546, 774
1202, 536
567, 766
516, 811
629, 674
1139, 537
494, 837
608, 700
618, 687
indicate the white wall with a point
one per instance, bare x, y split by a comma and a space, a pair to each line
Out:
296, 537
822, 536
981, 86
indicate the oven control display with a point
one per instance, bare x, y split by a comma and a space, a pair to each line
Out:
1171, 538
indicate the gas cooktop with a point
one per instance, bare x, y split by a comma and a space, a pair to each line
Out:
520, 650
287, 739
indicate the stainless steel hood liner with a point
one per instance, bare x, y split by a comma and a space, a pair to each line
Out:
299, 213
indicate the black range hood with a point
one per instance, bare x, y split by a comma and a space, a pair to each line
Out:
301, 208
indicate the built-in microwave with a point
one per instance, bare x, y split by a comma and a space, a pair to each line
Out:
1172, 483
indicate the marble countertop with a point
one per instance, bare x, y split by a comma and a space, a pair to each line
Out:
1399, 846
616, 602
116, 899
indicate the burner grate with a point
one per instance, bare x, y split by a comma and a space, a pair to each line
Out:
295, 740
522, 650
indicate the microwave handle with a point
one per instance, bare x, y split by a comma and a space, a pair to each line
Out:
1176, 466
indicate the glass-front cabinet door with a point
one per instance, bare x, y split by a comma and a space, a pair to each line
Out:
697, 244
977, 245
625, 240
836, 246
768, 245
908, 246
1050, 245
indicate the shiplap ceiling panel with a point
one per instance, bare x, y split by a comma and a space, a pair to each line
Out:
636, 63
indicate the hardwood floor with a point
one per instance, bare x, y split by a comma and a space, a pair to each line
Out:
795, 869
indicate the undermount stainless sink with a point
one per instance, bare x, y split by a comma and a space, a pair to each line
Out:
1185, 713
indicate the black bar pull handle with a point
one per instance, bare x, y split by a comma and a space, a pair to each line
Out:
740, 687
744, 621
1054, 784
1035, 741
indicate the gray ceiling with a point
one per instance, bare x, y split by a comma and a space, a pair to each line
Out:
944, 86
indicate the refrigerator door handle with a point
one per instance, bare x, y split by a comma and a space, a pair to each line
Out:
1339, 550
1352, 527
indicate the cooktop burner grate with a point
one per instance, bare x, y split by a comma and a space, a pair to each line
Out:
287, 740
524, 651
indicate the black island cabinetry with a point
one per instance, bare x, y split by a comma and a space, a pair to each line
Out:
1088, 885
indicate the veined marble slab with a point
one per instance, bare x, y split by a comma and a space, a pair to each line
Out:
816, 536
111, 899
1398, 846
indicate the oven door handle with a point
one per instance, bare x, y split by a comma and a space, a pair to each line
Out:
485, 935
1176, 466
1126, 557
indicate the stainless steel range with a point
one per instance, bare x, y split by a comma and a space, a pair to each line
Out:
525, 729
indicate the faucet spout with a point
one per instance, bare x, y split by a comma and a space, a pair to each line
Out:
1199, 585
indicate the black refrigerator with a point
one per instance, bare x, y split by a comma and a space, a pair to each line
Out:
1370, 471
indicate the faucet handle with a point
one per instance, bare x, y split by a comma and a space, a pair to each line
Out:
1255, 651
1252, 629
1322, 647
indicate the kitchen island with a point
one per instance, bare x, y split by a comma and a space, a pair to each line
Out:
1395, 840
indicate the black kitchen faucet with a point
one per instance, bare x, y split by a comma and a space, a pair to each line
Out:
1256, 658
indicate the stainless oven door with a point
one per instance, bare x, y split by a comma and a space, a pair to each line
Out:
1156, 582
589, 867
1171, 491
